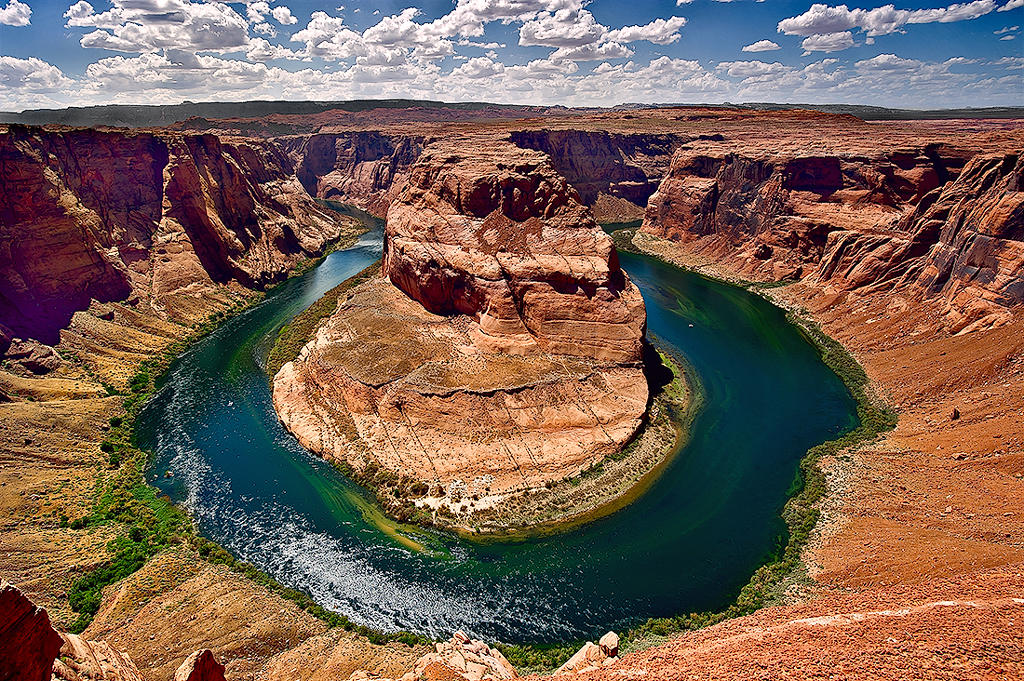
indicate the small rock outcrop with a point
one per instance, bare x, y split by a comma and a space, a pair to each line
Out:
460, 659
500, 350
200, 666
28, 643
592, 656
82, 660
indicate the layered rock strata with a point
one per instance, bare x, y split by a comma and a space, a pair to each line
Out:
159, 218
927, 221
365, 169
499, 350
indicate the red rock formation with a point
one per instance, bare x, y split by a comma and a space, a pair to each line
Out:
501, 351
499, 236
28, 644
913, 221
771, 216
963, 244
625, 166
365, 169
104, 216
200, 666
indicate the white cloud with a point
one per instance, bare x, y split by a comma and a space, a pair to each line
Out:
580, 37
32, 75
564, 28
828, 42
659, 32
1012, 4
888, 62
16, 13
478, 67
1006, 29
753, 69
283, 15
824, 19
761, 46
150, 25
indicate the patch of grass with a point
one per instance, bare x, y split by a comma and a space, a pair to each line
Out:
294, 335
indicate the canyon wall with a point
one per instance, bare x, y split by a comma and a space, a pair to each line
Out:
499, 351
614, 173
365, 169
933, 221
113, 216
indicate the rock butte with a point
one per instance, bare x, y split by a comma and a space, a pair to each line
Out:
499, 350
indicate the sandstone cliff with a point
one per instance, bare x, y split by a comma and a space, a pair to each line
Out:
499, 351
926, 221
615, 173
962, 243
161, 218
365, 169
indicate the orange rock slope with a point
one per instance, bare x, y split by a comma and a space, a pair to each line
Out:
500, 350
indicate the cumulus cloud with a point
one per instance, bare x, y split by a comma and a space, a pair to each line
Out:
659, 32
1012, 4
32, 75
151, 25
761, 46
283, 15
823, 19
16, 13
580, 37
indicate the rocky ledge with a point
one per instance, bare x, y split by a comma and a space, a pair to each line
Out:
499, 351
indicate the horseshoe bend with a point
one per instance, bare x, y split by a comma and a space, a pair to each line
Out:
499, 350
742, 386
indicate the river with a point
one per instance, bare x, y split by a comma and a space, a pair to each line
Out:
686, 545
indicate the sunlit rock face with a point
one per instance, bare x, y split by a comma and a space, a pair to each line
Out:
499, 236
498, 350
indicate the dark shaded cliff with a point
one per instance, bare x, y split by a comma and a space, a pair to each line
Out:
624, 166
105, 216
366, 169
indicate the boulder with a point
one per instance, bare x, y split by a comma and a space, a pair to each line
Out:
82, 660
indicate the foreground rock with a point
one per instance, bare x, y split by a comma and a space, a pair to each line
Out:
460, 659
500, 350
592, 656
200, 666
28, 644
82, 660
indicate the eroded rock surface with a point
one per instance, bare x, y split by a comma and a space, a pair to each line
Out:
161, 219
930, 221
28, 644
499, 350
82, 660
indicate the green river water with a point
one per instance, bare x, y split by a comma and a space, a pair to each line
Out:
687, 544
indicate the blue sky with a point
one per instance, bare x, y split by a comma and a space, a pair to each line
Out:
573, 52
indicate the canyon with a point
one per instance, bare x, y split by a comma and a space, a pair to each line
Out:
902, 239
